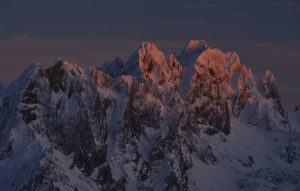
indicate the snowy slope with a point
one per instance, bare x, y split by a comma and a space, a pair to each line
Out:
198, 121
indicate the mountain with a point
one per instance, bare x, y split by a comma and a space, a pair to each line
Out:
197, 121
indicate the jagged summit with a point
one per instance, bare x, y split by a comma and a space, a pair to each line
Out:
193, 47
199, 121
148, 56
114, 69
148, 46
196, 44
141, 61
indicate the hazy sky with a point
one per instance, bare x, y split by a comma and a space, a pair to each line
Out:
266, 34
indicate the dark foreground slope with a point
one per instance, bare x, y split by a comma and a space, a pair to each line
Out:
197, 121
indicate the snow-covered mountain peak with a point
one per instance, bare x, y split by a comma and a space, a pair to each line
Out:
196, 44
150, 57
148, 46
114, 69
193, 47
270, 85
198, 122
212, 59
27, 74
147, 62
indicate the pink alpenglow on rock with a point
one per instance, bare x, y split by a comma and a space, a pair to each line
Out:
197, 121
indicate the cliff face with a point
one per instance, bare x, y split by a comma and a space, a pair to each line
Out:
156, 122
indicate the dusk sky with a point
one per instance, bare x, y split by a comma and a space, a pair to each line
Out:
265, 34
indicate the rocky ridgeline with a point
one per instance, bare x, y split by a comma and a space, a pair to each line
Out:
134, 125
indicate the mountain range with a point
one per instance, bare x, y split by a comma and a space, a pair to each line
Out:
199, 120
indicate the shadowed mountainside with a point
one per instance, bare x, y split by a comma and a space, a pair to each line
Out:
197, 121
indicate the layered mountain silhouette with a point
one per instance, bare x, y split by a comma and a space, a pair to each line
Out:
199, 120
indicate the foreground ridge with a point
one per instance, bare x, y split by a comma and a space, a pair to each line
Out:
197, 121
